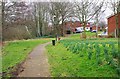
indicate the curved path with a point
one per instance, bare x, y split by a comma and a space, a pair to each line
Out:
36, 65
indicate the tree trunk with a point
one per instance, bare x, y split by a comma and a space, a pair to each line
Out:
36, 24
40, 24
41, 34
3, 18
84, 33
117, 25
63, 34
97, 25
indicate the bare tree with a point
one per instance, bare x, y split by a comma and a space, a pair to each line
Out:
0, 20
59, 11
102, 24
86, 10
65, 10
40, 15
17, 20
35, 18
98, 16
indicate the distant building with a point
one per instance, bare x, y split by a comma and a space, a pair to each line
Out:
73, 26
112, 24
96, 28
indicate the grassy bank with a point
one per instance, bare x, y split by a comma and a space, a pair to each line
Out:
70, 63
15, 52
65, 63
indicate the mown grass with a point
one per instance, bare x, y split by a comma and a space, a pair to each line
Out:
65, 63
15, 52
78, 35
90, 36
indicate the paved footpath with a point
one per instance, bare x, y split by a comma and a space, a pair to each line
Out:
36, 65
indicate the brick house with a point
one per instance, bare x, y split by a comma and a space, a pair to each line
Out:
70, 25
94, 28
112, 24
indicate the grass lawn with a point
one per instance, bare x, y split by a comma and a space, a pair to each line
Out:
64, 62
89, 34
78, 35
15, 52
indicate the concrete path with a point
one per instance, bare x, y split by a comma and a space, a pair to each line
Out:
37, 63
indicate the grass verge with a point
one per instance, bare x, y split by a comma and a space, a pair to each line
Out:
15, 52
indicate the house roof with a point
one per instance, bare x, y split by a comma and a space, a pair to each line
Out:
112, 15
